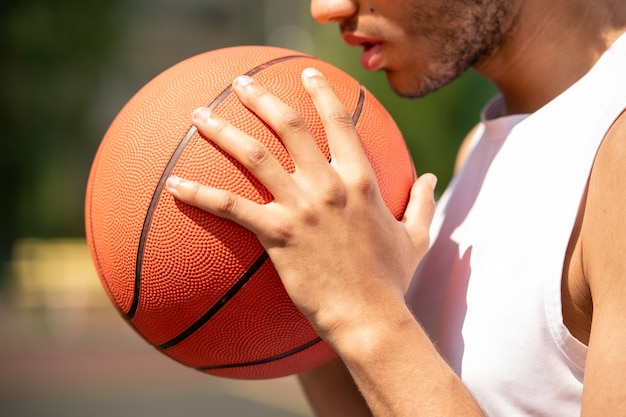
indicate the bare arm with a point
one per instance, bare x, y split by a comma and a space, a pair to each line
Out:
399, 371
603, 237
330, 389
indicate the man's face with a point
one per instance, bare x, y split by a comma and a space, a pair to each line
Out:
420, 44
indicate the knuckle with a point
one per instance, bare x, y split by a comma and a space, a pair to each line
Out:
255, 154
341, 118
256, 92
292, 121
226, 203
282, 232
364, 184
252, 93
361, 179
309, 214
219, 127
333, 192
335, 195
322, 87
193, 191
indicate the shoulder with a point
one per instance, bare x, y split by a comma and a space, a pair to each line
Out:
604, 221
465, 148
603, 240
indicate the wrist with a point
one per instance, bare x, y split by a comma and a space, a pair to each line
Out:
375, 331
397, 368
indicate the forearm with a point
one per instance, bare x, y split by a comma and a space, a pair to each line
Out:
399, 371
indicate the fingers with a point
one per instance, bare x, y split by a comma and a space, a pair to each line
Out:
420, 210
343, 140
285, 121
221, 203
345, 146
247, 150
350, 166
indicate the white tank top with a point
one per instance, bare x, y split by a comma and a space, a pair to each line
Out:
489, 290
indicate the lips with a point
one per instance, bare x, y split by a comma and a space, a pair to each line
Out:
372, 57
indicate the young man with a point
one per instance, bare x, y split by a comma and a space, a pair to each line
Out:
518, 302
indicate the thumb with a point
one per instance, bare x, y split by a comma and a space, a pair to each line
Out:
420, 210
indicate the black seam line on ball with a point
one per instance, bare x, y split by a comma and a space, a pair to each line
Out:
232, 291
261, 361
359, 106
167, 172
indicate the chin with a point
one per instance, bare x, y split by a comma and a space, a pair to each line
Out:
405, 86
411, 85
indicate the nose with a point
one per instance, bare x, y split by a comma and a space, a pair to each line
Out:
330, 11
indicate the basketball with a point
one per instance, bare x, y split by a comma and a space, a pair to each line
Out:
199, 288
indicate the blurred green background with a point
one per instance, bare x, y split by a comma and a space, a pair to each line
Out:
68, 66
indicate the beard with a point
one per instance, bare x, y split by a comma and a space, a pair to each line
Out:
459, 34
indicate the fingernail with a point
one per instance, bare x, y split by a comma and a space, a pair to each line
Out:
243, 80
433, 181
172, 182
311, 72
202, 113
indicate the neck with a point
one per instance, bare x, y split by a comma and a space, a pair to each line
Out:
551, 45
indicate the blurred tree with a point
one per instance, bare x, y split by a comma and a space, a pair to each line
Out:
51, 54
69, 66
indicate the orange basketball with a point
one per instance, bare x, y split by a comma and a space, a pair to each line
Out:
199, 288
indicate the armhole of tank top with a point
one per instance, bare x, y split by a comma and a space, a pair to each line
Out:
572, 349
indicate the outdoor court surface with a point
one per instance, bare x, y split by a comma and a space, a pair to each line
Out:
65, 352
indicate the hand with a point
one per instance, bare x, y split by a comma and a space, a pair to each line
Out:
338, 250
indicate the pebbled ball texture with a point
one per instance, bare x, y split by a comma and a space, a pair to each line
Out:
199, 288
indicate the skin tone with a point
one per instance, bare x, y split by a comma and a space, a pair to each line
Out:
532, 50
418, 50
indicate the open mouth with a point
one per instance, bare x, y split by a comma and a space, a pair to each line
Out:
367, 45
371, 58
